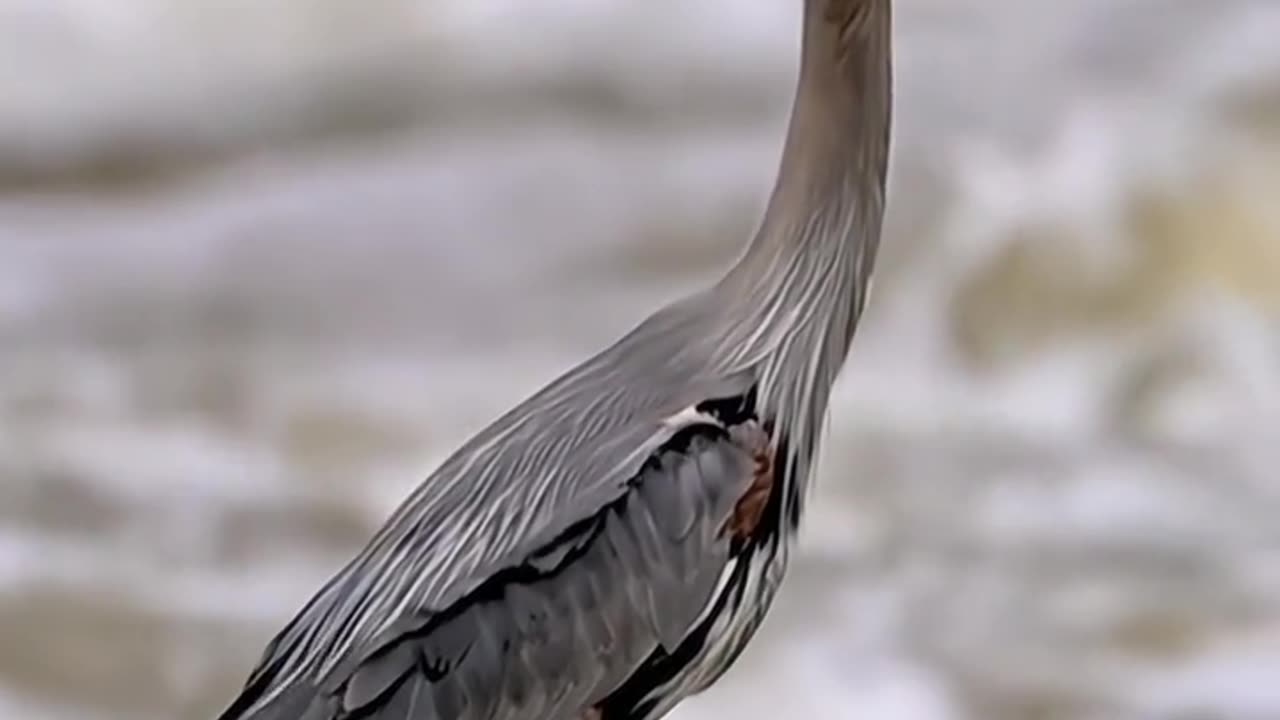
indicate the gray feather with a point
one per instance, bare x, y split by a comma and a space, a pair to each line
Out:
571, 623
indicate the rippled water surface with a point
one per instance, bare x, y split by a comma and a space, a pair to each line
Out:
263, 264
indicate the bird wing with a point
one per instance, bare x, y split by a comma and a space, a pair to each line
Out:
569, 498
550, 634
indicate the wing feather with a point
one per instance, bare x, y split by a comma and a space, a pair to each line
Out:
570, 623
514, 503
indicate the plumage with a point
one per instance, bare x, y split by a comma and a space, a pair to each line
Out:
608, 547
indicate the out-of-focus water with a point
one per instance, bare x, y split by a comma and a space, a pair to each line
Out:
262, 264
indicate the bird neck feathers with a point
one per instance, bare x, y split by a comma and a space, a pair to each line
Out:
795, 297
811, 260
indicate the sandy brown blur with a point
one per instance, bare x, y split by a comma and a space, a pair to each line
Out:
263, 264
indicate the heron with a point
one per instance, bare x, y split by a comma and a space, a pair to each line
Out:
608, 547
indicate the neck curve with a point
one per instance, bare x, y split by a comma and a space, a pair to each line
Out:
831, 182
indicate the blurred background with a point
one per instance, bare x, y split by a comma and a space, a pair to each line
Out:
263, 264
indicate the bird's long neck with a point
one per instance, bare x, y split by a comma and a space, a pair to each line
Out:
813, 254
794, 298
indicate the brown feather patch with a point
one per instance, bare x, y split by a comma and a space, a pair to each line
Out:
749, 510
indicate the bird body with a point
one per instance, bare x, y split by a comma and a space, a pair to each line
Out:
609, 546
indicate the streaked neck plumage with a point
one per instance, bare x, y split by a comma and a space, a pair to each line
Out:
828, 200
796, 294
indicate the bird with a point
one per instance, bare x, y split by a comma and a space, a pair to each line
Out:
608, 548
